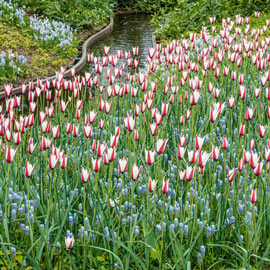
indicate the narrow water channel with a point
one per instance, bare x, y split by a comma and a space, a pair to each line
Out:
129, 31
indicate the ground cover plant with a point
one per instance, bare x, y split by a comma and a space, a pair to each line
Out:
178, 18
45, 38
162, 168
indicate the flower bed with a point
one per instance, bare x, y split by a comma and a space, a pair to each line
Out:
161, 168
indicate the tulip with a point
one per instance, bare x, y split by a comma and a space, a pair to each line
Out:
53, 159
106, 50
231, 174
8, 134
252, 144
267, 154
85, 175
246, 156
195, 97
94, 145
151, 185
254, 159
29, 169
190, 173
242, 92
181, 152
258, 168
75, 130
96, 164
136, 135
164, 109
242, 130
253, 198
63, 106
100, 149
262, 130
203, 158
111, 154
31, 146
158, 117
257, 92
161, 144
165, 186
135, 51
10, 154
213, 115
129, 123
17, 138
135, 171
199, 142
215, 153
63, 162
192, 156
68, 128
112, 203
149, 156
182, 175
69, 242
8, 90
240, 164
92, 116
122, 165
55, 131
88, 131
183, 140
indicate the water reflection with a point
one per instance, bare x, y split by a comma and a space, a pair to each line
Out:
129, 31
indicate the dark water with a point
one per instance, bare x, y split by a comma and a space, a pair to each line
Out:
129, 31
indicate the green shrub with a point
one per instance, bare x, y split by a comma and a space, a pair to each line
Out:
189, 15
76, 13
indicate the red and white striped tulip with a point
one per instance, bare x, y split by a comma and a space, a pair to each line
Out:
85, 175
151, 185
122, 165
165, 186
231, 174
262, 130
161, 144
53, 160
69, 242
258, 168
253, 198
29, 169
135, 171
190, 173
199, 142
10, 154
96, 164
149, 157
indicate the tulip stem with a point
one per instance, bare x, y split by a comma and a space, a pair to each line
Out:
162, 232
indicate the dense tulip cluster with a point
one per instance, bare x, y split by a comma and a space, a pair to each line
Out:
170, 163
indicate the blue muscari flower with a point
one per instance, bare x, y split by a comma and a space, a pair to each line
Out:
186, 229
208, 230
200, 258
158, 228
242, 238
172, 226
26, 230
70, 220
13, 251
202, 250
